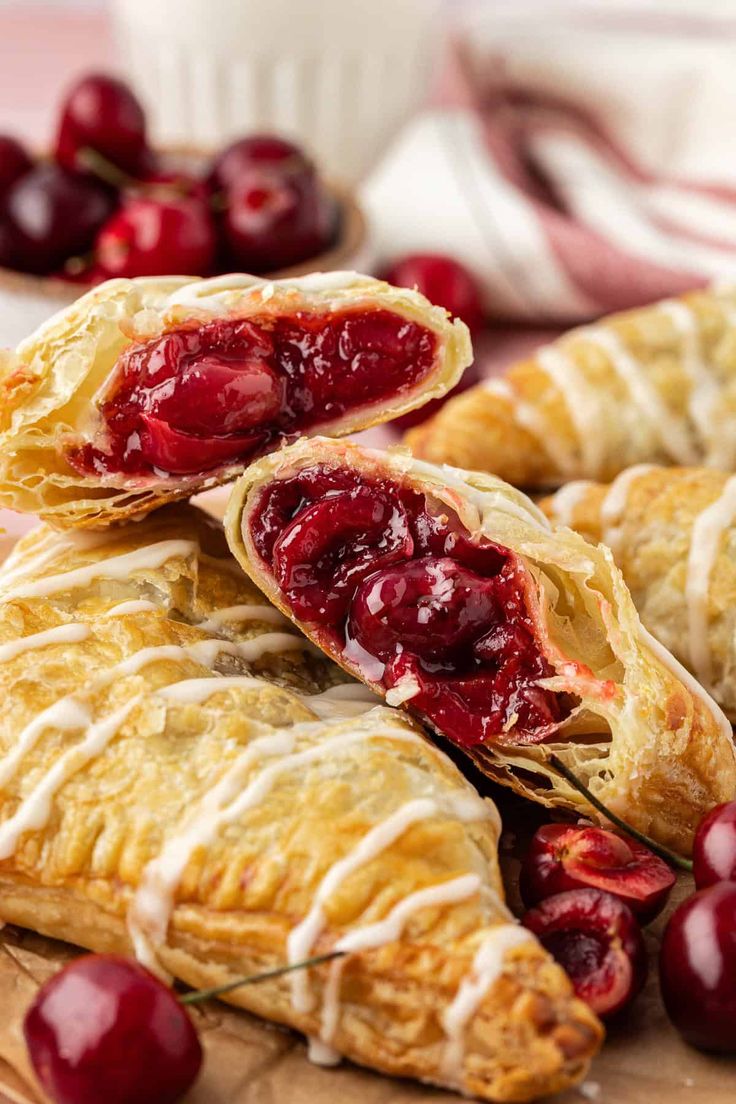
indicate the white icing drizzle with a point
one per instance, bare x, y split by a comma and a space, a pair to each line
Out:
198, 690
215, 293
61, 634
566, 500
405, 689
320, 1054
116, 567
582, 401
613, 507
34, 811
266, 643
66, 714
704, 396
487, 967
680, 672
536, 423
386, 931
303, 937
349, 699
672, 433
229, 614
705, 540
226, 803
135, 605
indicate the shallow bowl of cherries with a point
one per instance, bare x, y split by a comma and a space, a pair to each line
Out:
105, 204
589, 891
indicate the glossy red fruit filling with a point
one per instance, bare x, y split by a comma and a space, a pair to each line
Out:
105, 1029
714, 849
697, 968
415, 605
595, 938
198, 398
563, 856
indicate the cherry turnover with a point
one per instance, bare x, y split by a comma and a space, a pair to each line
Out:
407, 598
204, 396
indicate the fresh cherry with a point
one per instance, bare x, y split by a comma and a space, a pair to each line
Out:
258, 150
55, 214
102, 114
697, 968
105, 1029
564, 856
275, 218
596, 939
14, 162
450, 285
714, 848
157, 237
444, 281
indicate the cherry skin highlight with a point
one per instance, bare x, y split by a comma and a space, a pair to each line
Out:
105, 1029
697, 968
714, 847
563, 857
236, 161
101, 113
154, 236
596, 939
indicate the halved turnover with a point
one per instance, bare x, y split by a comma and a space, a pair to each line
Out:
148, 390
449, 593
182, 775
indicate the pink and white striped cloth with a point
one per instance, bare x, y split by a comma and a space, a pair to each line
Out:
588, 162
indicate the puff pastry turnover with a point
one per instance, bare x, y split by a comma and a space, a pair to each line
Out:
449, 592
147, 390
655, 385
672, 532
180, 772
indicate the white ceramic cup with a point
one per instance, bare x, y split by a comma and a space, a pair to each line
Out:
339, 76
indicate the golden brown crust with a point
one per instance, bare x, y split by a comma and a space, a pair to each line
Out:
668, 371
50, 389
658, 524
655, 749
80, 870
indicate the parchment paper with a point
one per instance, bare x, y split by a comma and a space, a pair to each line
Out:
248, 1062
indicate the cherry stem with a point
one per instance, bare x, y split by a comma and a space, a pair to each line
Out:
99, 166
278, 971
669, 857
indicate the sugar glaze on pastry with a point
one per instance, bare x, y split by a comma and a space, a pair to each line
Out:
673, 534
653, 385
449, 593
148, 390
181, 774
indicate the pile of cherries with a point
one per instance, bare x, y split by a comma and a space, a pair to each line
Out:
588, 891
105, 204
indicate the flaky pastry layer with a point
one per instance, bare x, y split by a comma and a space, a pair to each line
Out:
653, 385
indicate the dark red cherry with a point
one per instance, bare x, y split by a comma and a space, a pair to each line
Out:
157, 237
102, 113
56, 214
564, 856
15, 162
714, 849
697, 968
105, 1029
258, 149
445, 282
274, 219
334, 543
595, 938
435, 607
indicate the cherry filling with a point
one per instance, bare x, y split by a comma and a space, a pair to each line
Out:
411, 601
196, 398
